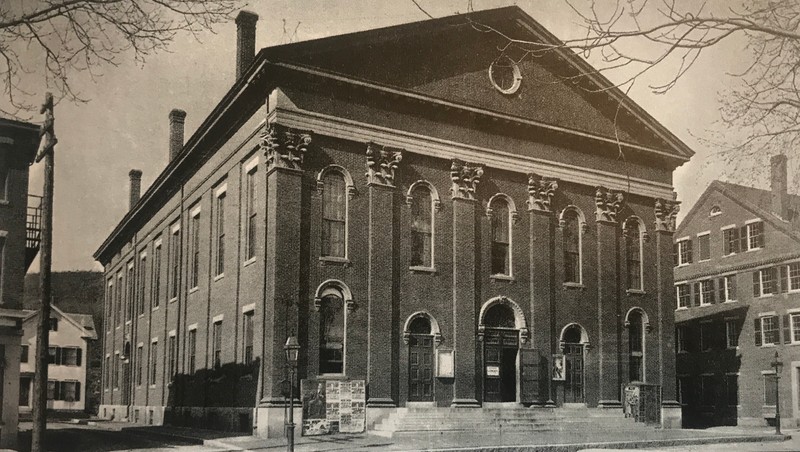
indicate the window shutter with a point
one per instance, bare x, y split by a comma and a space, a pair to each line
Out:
757, 331
721, 290
787, 329
784, 278
743, 239
59, 355
689, 252
712, 293
675, 252
78, 391
696, 294
732, 285
773, 277
79, 353
756, 285
734, 240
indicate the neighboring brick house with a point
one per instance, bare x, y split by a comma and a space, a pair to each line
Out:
70, 337
19, 244
495, 223
737, 277
78, 292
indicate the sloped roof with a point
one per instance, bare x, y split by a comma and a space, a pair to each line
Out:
83, 322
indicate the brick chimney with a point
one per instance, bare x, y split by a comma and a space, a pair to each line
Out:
245, 41
136, 187
176, 120
778, 185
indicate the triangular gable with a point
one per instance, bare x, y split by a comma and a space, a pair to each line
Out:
33, 315
448, 59
730, 193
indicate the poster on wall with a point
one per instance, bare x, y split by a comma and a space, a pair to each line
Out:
559, 370
333, 406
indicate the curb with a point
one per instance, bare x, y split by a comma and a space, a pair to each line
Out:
140, 431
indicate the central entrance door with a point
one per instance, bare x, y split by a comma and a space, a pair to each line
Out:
420, 361
500, 348
573, 357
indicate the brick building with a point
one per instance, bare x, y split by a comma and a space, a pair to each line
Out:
378, 196
738, 302
19, 244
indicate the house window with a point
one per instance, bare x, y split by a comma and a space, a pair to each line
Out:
192, 350
707, 390
175, 261
572, 246
732, 390
139, 364
681, 339
501, 237
683, 390
4, 171
53, 324
217, 342
108, 372
247, 331
636, 347
704, 247
194, 237
728, 288
156, 279
732, 331
684, 295
51, 389
130, 295
633, 252
153, 361
770, 388
115, 374
683, 252
142, 281
795, 323
118, 303
706, 337
730, 241
706, 292
172, 356
110, 302
794, 276
251, 194
332, 334
220, 224
25, 351
334, 215
766, 330
764, 282
755, 235
421, 227
715, 211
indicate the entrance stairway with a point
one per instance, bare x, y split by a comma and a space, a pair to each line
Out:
416, 420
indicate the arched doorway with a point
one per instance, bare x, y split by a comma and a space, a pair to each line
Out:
573, 342
500, 348
420, 360
637, 325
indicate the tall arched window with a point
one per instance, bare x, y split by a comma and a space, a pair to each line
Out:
334, 215
572, 246
633, 253
501, 237
331, 332
635, 346
421, 227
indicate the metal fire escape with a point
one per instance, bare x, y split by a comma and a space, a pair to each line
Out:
33, 227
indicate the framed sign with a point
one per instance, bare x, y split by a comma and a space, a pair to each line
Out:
492, 371
559, 370
445, 363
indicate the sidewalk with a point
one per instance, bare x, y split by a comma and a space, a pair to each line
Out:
553, 441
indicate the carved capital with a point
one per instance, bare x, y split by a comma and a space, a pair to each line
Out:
381, 164
465, 179
666, 213
523, 335
608, 204
541, 192
284, 147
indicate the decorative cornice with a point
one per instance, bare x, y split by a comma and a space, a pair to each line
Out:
541, 192
465, 179
382, 162
284, 147
608, 204
666, 213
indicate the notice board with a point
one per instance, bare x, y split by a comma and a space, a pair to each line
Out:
333, 406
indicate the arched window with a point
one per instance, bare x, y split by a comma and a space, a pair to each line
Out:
635, 346
633, 253
421, 227
334, 215
331, 332
572, 246
500, 316
501, 237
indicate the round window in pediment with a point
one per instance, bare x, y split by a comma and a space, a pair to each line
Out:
505, 75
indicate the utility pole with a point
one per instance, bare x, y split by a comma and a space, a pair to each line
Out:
45, 260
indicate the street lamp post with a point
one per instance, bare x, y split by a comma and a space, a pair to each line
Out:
292, 349
778, 366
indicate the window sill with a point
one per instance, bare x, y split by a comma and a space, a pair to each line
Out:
682, 308
683, 352
153, 386
155, 308
333, 376
683, 265
333, 260
173, 300
755, 249
127, 322
194, 289
218, 277
141, 316
730, 301
501, 277
635, 292
249, 262
769, 345
421, 269
704, 260
766, 295
573, 285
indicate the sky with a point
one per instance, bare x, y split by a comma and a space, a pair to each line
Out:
125, 124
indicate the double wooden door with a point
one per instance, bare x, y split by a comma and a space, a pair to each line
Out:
500, 348
573, 388
420, 368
